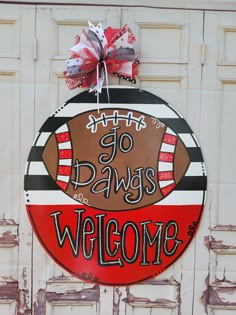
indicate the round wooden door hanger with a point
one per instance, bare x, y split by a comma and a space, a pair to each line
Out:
115, 195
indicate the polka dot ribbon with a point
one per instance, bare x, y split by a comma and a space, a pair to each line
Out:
97, 53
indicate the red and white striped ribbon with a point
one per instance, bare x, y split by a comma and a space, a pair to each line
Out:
166, 162
64, 156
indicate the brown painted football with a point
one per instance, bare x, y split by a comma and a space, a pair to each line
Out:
115, 159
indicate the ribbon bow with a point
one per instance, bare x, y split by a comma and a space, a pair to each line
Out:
97, 53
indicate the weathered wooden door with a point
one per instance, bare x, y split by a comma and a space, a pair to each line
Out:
196, 78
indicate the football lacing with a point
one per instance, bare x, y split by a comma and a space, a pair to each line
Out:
115, 118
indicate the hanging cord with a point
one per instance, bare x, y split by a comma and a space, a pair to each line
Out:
106, 76
97, 89
107, 84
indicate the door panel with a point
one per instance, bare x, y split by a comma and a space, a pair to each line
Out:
217, 138
169, 45
17, 99
80, 298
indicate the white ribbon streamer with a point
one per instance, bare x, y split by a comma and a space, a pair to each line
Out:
106, 76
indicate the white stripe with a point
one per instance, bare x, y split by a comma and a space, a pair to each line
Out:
187, 140
155, 110
164, 183
196, 169
170, 131
167, 148
178, 197
165, 166
42, 139
37, 168
53, 197
196, 140
173, 107
64, 145
63, 128
63, 178
65, 162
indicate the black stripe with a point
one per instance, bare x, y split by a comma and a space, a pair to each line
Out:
195, 154
178, 125
53, 123
192, 183
35, 154
40, 182
118, 96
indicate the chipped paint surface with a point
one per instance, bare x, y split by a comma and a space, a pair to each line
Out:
223, 292
5, 222
40, 303
86, 294
214, 244
23, 300
207, 242
23, 305
228, 227
61, 278
8, 288
220, 293
162, 281
9, 234
205, 294
148, 299
116, 301
8, 238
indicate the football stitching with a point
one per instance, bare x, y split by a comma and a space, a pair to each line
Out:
115, 118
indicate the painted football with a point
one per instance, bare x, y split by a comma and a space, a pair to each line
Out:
116, 159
